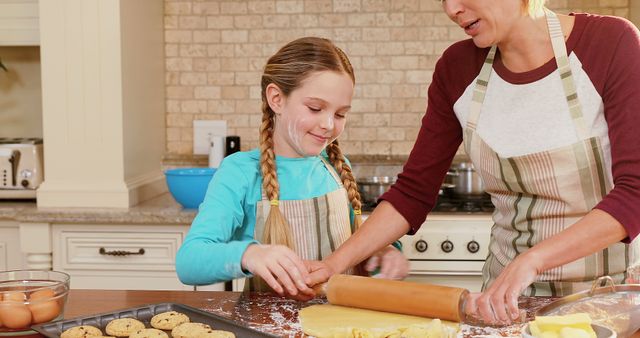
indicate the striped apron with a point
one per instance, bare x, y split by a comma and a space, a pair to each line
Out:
319, 225
539, 195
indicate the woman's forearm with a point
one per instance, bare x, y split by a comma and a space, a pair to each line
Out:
384, 226
592, 233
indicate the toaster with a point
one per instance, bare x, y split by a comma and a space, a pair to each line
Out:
21, 167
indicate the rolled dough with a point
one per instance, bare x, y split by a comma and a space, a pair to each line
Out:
331, 321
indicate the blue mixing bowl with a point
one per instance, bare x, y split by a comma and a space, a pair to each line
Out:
189, 185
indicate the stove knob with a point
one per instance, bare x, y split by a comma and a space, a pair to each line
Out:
447, 246
421, 245
473, 246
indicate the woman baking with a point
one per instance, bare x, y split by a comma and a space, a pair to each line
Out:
548, 109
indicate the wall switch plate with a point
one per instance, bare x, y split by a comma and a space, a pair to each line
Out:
203, 130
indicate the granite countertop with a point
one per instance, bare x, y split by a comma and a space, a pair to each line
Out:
157, 211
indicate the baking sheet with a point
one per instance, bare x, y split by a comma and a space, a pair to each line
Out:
144, 314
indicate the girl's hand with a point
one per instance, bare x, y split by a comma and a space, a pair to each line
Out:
498, 305
280, 268
392, 262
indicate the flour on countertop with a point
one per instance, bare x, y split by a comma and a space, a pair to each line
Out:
467, 331
279, 316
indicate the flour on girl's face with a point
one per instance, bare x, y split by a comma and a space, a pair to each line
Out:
295, 135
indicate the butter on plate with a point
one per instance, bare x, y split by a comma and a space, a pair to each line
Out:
577, 325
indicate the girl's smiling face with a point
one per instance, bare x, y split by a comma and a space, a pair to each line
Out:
312, 116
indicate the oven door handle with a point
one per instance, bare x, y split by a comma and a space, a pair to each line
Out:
446, 273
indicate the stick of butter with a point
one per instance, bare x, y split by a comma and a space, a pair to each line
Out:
577, 325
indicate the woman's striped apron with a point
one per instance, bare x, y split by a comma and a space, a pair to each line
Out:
319, 225
540, 194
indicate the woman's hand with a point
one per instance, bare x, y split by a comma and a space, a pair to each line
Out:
498, 305
280, 268
391, 261
319, 272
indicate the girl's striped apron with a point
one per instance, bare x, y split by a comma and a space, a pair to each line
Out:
319, 225
540, 194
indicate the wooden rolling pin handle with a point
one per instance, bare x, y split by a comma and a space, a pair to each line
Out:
425, 300
320, 289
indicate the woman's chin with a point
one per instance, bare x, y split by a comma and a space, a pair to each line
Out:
480, 42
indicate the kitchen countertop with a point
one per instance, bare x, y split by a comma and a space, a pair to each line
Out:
160, 210
263, 312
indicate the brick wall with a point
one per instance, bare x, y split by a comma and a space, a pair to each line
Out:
215, 51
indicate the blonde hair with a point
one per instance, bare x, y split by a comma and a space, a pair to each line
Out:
287, 68
533, 7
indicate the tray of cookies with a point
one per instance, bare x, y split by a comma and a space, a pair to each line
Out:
161, 320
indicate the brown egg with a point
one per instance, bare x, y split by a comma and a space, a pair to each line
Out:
14, 315
42, 294
14, 296
44, 311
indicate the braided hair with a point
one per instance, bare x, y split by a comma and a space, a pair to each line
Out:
287, 69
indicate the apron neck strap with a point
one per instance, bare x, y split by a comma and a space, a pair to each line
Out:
564, 69
332, 171
480, 89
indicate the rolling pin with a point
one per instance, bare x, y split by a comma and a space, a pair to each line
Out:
417, 299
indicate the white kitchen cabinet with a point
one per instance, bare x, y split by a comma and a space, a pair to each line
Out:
11, 258
238, 284
19, 23
118, 257
212, 287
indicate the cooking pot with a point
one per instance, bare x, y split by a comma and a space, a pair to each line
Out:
467, 182
371, 188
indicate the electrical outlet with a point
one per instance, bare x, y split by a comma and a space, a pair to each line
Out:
203, 130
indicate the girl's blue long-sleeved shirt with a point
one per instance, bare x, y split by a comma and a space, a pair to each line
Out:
224, 226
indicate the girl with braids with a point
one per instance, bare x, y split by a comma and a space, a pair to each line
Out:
294, 199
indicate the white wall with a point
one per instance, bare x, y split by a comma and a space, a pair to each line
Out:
143, 85
20, 92
634, 12
103, 102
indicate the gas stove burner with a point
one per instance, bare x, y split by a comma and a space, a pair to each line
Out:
476, 204
481, 204
20, 140
470, 206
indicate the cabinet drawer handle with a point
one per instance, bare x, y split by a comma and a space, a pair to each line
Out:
120, 252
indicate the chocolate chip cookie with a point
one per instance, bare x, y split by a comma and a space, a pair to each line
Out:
123, 327
82, 331
189, 330
168, 320
149, 333
216, 334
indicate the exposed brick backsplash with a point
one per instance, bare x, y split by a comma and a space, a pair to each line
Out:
215, 51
